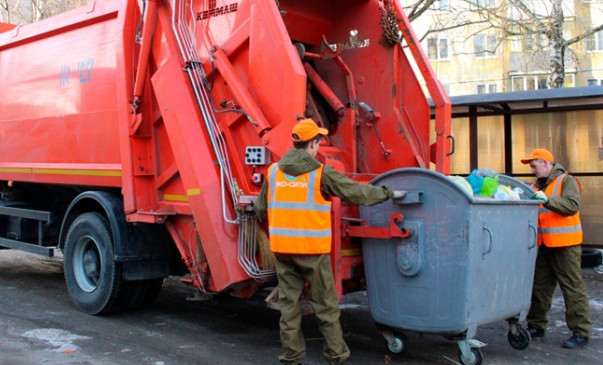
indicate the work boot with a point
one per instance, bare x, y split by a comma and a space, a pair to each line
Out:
575, 342
536, 332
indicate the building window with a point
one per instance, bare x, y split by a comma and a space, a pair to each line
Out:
527, 42
484, 45
437, 48
486, 88
594, 82
530, 82
532, 40
595, 42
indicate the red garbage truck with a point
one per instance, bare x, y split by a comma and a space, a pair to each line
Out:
135, 135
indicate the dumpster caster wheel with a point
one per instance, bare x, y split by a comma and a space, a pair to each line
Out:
400, 344
521, 341
474, 358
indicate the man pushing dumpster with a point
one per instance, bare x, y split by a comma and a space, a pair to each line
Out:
294, 198
559, 250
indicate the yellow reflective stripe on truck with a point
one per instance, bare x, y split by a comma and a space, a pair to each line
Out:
181, 197
18, 170
175, 197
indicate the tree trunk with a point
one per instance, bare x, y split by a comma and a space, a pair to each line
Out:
556, 47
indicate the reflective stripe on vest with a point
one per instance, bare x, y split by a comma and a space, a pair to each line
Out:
554, 229
299, 217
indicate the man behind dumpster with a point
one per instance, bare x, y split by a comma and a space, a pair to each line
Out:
295, 200
559, 250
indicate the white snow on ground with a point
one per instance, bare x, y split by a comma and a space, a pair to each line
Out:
595, 305
60, 339
558, 302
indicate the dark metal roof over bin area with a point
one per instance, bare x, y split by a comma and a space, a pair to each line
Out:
567, 121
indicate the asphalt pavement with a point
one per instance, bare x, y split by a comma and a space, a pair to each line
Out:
38, 325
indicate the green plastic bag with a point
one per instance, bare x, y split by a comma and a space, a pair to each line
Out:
489, 186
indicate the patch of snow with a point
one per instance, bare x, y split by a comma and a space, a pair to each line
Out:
595, 305
62, 340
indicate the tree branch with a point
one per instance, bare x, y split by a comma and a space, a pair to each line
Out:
584, 35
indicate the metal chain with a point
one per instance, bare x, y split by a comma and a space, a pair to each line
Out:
391, 30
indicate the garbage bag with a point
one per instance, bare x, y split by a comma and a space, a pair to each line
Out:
463, 183
483, 182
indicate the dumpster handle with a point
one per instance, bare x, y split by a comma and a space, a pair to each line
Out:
489, 243
535, 236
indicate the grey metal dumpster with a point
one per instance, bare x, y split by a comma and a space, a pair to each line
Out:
467, 261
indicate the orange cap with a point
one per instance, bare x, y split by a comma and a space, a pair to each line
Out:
307, 129
538, 154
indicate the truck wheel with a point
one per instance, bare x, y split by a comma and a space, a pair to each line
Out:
93, 278
590, 257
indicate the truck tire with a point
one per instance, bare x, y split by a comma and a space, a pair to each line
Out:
93, 278
590, 257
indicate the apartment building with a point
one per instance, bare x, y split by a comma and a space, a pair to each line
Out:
471, 53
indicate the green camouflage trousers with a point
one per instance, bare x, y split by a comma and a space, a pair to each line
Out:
292, 272
560, 265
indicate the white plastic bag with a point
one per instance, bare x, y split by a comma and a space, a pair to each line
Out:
506, 193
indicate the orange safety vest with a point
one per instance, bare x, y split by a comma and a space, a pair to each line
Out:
554, 229
299, 217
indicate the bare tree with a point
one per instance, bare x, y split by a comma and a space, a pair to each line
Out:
7, 9
416, 8
550, 26
4, 14
540, 19
30, 11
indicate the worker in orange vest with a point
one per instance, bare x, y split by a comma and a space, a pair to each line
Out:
295, 199
559, 250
